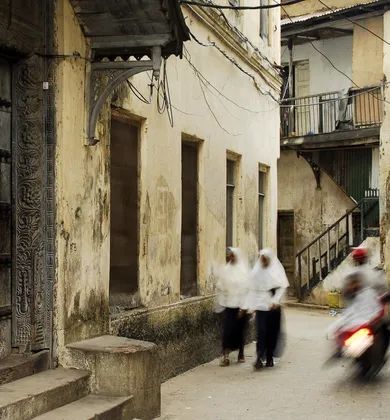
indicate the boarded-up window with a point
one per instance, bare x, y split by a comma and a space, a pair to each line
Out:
230, 185
124, 213
261, 194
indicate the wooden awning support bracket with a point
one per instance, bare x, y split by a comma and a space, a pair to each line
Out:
314, 167
117, 72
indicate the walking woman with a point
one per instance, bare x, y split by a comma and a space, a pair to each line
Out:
267, 285
233, 289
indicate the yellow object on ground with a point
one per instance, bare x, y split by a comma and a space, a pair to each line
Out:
335, 300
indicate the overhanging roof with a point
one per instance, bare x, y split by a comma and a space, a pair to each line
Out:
132, 27
327, 18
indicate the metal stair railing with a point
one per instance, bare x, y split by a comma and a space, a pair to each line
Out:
328, 250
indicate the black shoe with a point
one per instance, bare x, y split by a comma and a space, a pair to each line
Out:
258, 364
270, 363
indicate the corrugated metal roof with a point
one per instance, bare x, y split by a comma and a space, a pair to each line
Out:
304, 18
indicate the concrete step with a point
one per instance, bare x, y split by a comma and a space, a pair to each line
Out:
18, 366
34, 395
93, 407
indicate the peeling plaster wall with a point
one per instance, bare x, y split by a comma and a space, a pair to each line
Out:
384, 162
314, 210
82, 198
83, 183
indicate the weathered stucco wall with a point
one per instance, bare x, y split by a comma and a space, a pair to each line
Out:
384, 162
82, 198
247, 124
324, 77
314, 210
367, 59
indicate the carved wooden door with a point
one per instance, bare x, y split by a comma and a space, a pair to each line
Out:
5, 208
31, 283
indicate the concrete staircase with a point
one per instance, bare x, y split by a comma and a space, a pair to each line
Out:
60, 394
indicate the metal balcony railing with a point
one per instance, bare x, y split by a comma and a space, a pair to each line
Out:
327, 112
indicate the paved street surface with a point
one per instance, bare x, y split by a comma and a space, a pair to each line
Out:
297, 388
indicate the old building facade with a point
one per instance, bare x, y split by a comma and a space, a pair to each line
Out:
130, 159
331, 121
153, 205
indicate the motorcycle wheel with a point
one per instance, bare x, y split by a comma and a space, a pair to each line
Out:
372, 361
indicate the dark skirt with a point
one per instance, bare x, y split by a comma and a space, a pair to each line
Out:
281, 338
234, 329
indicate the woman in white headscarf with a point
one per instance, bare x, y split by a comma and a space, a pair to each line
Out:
233, 289
267, 285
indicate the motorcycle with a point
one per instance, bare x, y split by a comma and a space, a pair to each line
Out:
366, 345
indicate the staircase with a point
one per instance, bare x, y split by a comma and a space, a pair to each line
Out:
329, 250
106, 378
60, 394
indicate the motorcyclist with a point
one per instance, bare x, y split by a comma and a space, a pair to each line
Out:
364, 305
372, 277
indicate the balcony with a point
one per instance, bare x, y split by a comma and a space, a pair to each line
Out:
332, 118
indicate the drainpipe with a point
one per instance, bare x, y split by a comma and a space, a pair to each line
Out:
290, 85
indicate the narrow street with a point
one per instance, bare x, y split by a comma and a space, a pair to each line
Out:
297, 388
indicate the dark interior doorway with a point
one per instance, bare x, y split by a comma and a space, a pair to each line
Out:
286, 244
189, 223
124, 213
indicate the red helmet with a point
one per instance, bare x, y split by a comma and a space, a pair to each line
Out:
359, 254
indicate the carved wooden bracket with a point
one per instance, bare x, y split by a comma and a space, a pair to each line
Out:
314, 167
118, 72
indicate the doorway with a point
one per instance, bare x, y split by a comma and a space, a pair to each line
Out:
286, 244
189, 221
124, 238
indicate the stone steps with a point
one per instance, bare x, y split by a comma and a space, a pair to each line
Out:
34, 395
18, 366
92, 407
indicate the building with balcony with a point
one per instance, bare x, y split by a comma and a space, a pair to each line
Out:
331, 117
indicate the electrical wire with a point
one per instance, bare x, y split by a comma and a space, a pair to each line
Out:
139, 95
355, 22
213, 114
234, 62
329, 61
261, 7
164, 92
208, 84
244, 38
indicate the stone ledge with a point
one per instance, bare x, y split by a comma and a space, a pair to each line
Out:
121, 367
112, 344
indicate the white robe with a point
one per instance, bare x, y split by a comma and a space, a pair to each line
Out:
233, 283
262, 281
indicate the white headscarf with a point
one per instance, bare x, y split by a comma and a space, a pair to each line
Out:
271, 277
233, 282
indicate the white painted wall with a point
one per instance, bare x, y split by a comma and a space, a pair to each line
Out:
323, 77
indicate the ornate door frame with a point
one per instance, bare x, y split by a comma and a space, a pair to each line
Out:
27, 34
